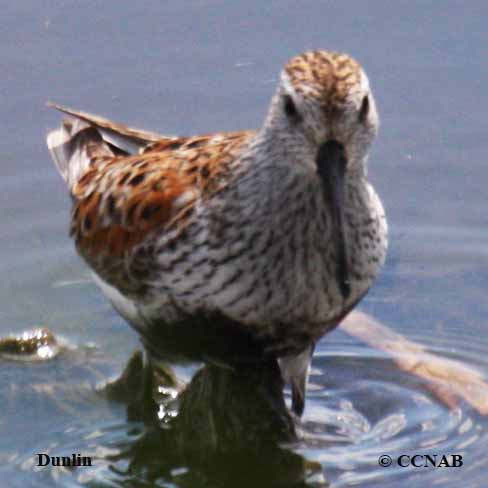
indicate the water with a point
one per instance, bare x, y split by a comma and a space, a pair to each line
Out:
198, 66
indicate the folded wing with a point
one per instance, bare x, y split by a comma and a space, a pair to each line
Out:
130, 187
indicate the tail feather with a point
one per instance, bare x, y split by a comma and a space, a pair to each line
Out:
84, 136
126, 138
73, 146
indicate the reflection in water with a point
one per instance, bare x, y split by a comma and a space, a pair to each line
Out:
230, 425
231, 429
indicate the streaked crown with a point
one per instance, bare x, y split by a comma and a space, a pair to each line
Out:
325, 96
328, 77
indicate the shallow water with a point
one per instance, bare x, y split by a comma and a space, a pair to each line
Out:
198, 66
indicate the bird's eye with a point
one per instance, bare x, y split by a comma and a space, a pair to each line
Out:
290, 108
364, 110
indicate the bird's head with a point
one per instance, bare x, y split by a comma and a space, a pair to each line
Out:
326, 120
325, 97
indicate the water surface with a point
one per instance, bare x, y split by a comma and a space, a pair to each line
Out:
198, 66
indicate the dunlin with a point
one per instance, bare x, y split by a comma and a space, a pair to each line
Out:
235, 245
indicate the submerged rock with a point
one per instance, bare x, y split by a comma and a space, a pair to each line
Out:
37, 344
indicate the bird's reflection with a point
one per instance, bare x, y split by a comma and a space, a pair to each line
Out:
228, 427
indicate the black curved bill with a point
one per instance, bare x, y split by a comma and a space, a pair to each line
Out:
331, 166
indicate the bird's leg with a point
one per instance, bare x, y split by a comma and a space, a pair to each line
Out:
134, 388
148, 408
295, 370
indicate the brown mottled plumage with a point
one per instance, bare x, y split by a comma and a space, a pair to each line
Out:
235, 245
128, 198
